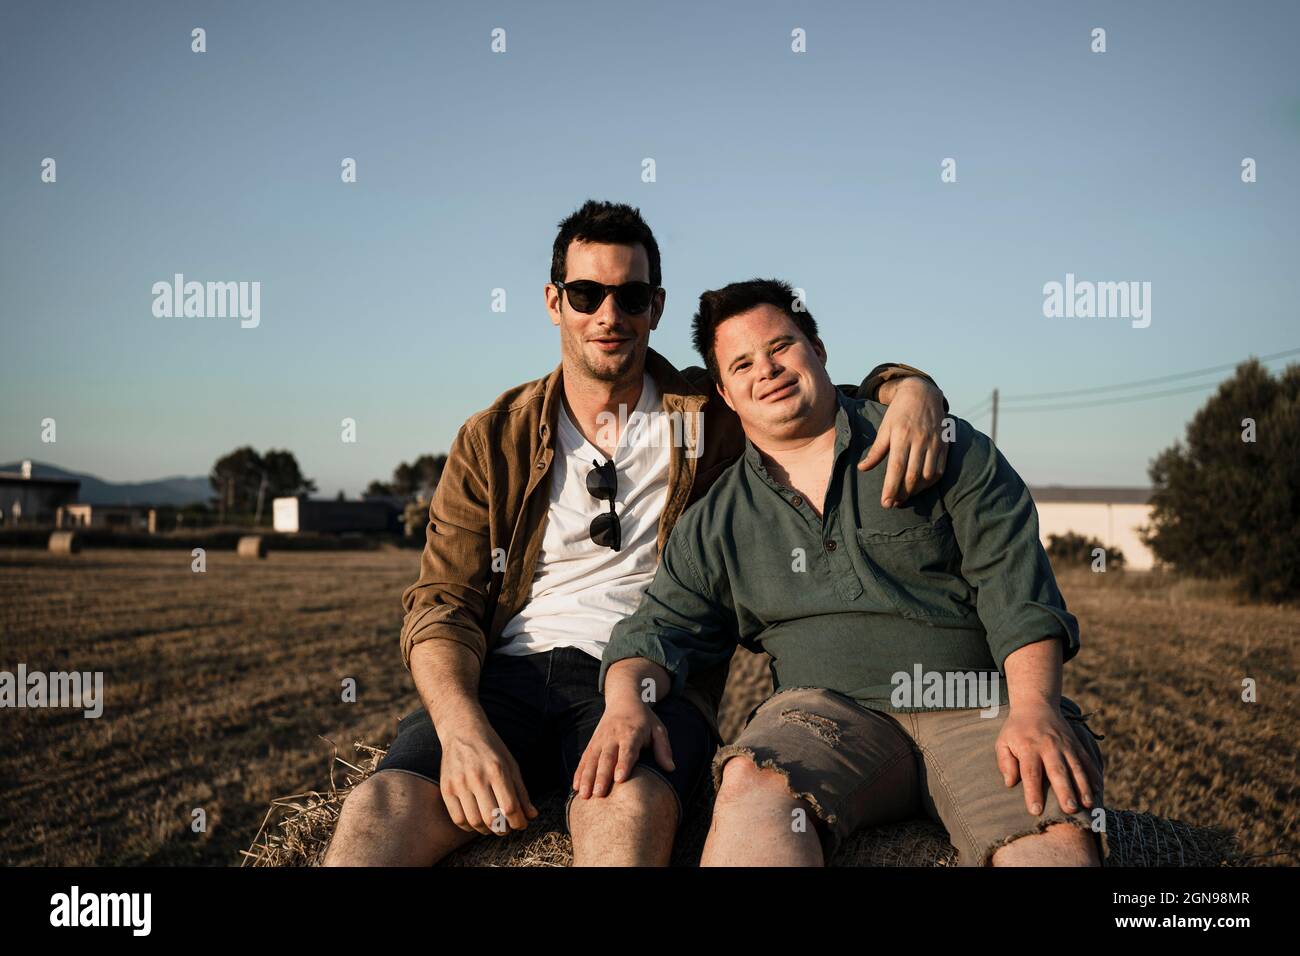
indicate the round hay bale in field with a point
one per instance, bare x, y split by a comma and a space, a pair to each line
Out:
65, 542
251, 546
298, 828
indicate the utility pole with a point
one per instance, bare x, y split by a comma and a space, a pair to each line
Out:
994, 436
261, 494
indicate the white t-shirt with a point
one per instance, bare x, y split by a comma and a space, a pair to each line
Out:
581, 589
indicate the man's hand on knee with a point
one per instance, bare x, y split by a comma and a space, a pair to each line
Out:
1036, 741
480, 780
614, 749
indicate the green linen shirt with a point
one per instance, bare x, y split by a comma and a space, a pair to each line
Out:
954, 581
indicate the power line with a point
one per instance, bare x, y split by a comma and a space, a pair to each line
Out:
1142, 382
1115, 401
994, 402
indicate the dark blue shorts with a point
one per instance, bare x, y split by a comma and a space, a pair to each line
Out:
545, 707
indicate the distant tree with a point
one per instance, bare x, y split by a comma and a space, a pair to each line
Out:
284, 477
1072, 550
340, 496
414, 480
428, 470
405, 479
1226, 504
237, 477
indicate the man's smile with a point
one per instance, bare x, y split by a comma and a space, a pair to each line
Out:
610, 343
780, 391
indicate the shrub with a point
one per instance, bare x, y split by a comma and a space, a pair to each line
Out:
1226, 503
1071, 550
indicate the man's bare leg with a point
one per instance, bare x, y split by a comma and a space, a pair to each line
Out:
1061, 844
753, 821
394, 819
633, 826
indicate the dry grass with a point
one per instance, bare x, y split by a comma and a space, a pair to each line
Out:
1163, 663
219, 687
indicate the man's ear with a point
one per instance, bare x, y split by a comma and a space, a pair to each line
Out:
657, 308
723, 392
552, 296
819, 348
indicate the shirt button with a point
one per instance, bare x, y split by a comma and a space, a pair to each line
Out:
541, 463
830, 544
796, 501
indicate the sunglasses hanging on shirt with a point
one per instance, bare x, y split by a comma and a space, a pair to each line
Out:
602, 482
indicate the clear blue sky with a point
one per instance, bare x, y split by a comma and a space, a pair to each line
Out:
821, 168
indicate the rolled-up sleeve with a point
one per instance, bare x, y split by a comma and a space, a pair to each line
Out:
447, 600
681, 624
869, 389
996, 526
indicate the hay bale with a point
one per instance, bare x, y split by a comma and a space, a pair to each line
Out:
297, 829
65, 542
251, 546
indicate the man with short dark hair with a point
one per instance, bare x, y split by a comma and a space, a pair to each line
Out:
891, 631
544, 532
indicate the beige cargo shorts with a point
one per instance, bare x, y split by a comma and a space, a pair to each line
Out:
857, 767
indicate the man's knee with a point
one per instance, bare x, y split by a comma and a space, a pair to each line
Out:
642, 794
382, 796
1073, 844
633, 825
385, 803
391, 818
1060, 844
743, 781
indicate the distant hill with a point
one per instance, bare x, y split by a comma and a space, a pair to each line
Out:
95, 491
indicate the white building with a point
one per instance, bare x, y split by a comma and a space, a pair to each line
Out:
1111, 515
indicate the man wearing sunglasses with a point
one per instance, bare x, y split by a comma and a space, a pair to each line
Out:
544, 532
916, 652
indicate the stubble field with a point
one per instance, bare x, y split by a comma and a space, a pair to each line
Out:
219, 688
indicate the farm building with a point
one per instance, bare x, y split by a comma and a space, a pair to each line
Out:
115, 517
28, 500
294, 514
1111, 515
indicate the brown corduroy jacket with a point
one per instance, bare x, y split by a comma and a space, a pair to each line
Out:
488, 511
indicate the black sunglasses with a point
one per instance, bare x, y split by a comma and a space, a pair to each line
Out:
605, 530
586, 295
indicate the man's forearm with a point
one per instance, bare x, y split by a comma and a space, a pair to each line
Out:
636, 679
446, 675
1034, 675
887, 391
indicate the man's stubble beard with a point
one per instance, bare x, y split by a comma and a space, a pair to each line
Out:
627, 369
